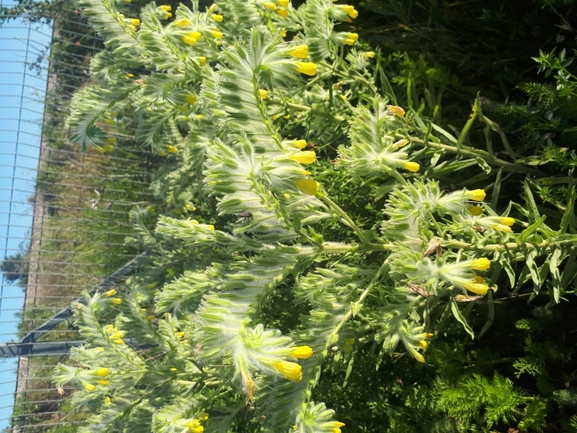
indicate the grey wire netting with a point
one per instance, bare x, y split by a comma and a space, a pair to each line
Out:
65, 214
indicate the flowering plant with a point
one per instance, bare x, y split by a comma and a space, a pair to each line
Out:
271, 111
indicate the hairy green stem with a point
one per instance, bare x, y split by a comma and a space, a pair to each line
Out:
344, 217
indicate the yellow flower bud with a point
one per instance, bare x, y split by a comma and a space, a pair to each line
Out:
110, 293
398, 144
190, 99
291, 370
476, 194
135, 21
299, 144
202, 60
353, 36
282, 12
481, 264
172, 149
304, 157
88, 386
269, 5
116, 301
477, 288
283, 33
216, 34
475, 210
398, 111
349, 42
306, 68
308, 186
102, 372
301, 352
189, 40
411, 166
218, 18
263, 93
370, 54
103, 382
299, 52
283, 3
183, 22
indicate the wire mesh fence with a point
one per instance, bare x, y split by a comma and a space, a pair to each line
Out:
64, 214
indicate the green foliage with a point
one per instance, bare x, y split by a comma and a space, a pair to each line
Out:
228, 108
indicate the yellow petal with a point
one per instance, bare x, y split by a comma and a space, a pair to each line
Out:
218, 18
269, 5
291, 370
479, 289
301, 352
283, 3
304, 157
102, 372
481, 264
411, 166
299, 52
476, 194
306, 68
263, 93
183, 22
308, 186
282, 12
110, 293
398, 111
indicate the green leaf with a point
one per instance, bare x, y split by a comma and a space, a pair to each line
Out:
531, 229
568, 215
468, 125
461, 319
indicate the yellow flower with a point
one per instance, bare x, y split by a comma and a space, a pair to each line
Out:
172, 149
349, 42
132, 27
304, 157
183, 22
301, 352
306, 68
116, 301
299, 52
423, 344
216, 34
103, 382
110, 293
411, 166
286, 195
107, 400
283, 33
475, 210
189, 40
263, 93
501, 228
190, 99
88, 386
269, 5
282, 12
116, 335
194, 426
337, 429
370, 54
283, 3
216, 17
481, 264
506, 221
308, 186
102, 372
291, 370
135, 21
299, 144
166, 8
202, 60
353, 36
477, 288
476, 194
203, 416
179, 334
210, 227
398, 111
118, 341
350, 10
